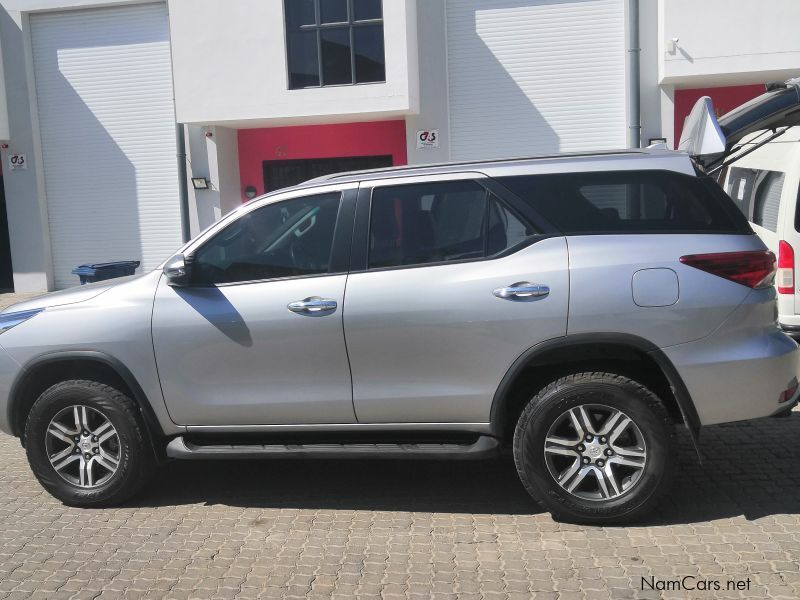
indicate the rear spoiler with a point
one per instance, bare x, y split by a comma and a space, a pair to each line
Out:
710, 140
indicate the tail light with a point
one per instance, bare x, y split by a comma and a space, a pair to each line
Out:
755, 269
789, 392
785, 276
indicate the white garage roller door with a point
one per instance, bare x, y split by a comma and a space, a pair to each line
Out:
107, 123
535, 77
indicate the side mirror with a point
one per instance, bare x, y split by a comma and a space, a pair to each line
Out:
176, 270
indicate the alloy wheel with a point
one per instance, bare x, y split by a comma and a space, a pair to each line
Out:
595, 452
83, 446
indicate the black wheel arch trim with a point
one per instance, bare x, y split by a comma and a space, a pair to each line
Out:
154, 429
527, 358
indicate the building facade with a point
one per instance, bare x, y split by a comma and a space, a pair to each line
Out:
268, 93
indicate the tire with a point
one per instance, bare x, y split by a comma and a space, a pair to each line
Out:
103, 472
636, 464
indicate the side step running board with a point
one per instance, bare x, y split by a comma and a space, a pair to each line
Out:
483, 447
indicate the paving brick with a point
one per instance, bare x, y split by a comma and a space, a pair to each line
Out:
405, 530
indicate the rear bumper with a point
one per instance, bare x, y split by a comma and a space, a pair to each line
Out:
738, 377
793, 331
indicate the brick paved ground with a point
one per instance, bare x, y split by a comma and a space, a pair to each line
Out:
405, 530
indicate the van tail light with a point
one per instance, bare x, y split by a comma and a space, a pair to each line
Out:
755, 269
785, 276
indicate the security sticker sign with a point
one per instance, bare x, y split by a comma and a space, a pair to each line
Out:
428, 138
17, 162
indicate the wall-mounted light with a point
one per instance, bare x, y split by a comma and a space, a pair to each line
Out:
656, 141
250, 192
200, 183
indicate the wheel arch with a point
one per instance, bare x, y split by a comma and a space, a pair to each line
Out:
634, 356
45, 370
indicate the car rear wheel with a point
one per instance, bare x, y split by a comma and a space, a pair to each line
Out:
595, 448
86, 444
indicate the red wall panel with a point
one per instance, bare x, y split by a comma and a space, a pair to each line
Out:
378, 138
725, 99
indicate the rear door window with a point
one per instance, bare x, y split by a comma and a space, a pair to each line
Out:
440, 222
629, 202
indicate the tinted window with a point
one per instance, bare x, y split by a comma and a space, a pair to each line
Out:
368, 50
438, 222
757, 194
506, 230
367, 9
334, 42
285, 239
741, 183
768, 201
333, 11
336, 68
628, 202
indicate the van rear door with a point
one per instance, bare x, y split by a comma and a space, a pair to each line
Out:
764, 186
710, 140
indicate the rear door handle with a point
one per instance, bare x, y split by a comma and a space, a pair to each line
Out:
522, 290
312, 306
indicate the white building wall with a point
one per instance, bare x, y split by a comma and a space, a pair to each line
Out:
4, 129
649, 90
535, 77
433, 102
728, 42
25, 191
230, 68
212, 153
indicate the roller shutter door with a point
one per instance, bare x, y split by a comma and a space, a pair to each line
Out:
535, 77
107, 124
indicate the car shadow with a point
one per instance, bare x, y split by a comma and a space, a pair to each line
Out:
489, 486
748, 469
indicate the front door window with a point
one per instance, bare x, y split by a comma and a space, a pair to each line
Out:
292, 238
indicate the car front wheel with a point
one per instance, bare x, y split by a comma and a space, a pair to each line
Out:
595, 448
86, 444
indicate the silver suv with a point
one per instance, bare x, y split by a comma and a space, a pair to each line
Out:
574, 309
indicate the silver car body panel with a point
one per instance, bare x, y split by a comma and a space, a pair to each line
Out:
343, 427
428, 345
602, 268
115, 324
740, 370
235, 355
432, 343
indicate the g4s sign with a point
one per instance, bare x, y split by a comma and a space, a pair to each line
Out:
17, 161
428, 138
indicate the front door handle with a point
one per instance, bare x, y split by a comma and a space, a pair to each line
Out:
522, 290
312, 306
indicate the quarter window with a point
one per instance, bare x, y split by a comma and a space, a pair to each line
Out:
439, 222
285, 239
334, 42
628, 202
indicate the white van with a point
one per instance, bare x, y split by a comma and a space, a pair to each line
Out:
764, 185
754, 152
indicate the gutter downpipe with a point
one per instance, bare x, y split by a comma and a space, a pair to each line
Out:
634, 131
182, 185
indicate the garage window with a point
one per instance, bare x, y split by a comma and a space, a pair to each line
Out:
334, 42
